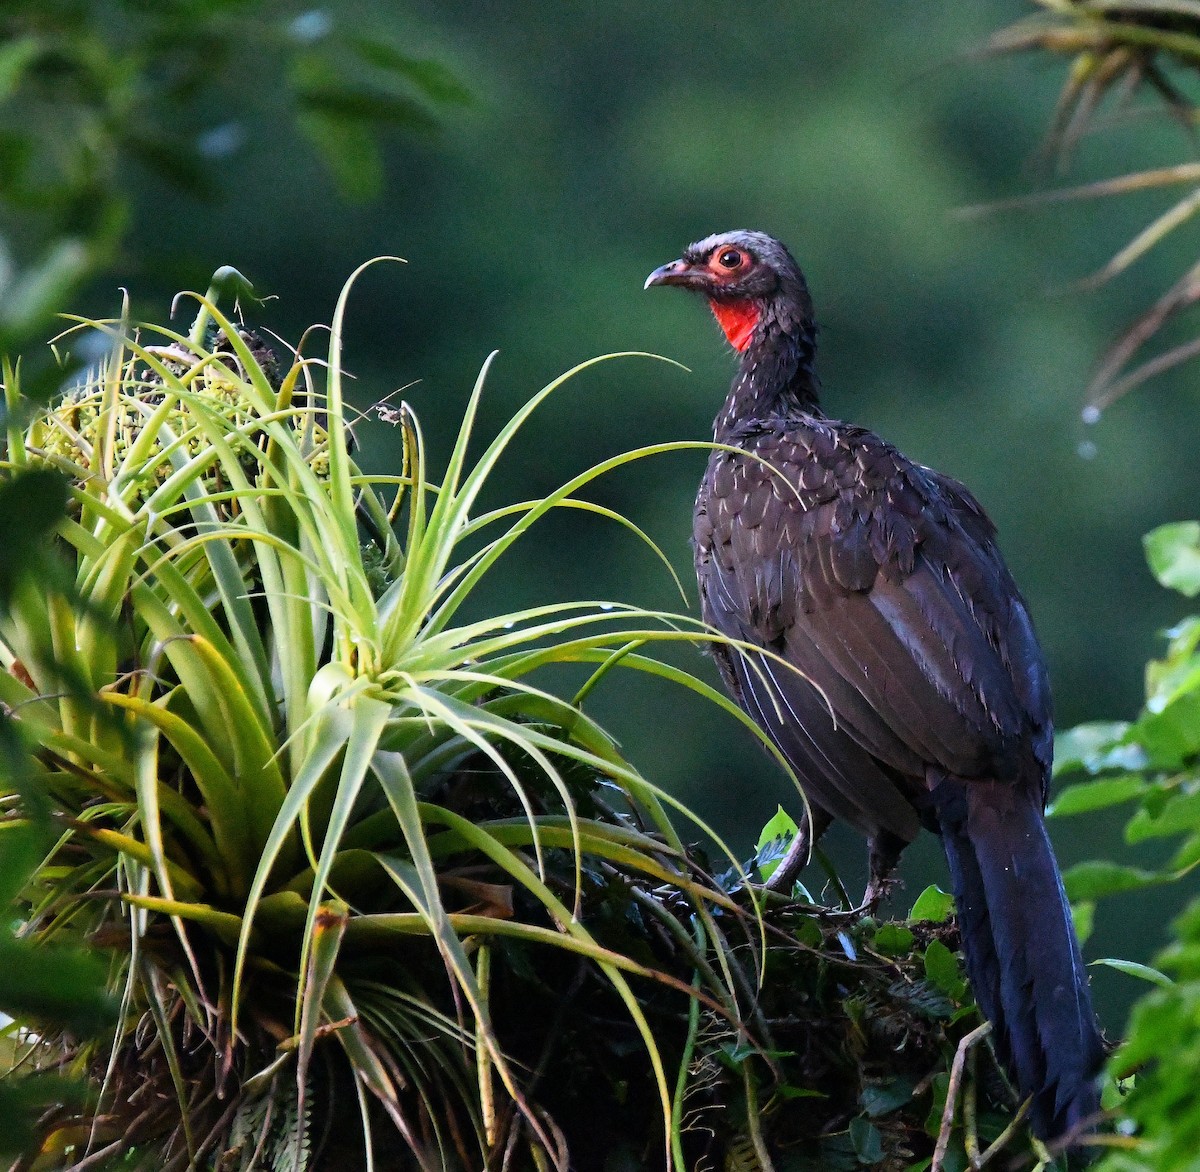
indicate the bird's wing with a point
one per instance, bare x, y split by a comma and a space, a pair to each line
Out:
880, 582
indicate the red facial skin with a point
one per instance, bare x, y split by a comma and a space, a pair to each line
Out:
737, 319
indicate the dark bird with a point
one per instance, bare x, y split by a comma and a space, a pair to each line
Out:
901, 677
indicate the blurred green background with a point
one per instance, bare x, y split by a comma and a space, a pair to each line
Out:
596, 142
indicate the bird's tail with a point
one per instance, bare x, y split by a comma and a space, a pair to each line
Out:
1021, 953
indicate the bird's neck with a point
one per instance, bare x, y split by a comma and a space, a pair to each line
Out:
776, 375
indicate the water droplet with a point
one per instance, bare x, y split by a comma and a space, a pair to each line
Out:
608, 606
1090, 414
1086, 450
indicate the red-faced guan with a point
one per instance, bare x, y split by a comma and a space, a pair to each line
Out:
902, 679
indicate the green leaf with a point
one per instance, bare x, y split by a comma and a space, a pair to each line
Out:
868, 1143
432, 77
175, 160
773, 842
1097, 795
790, 1092
1173, 552
25, 1099
1088, 746
892, 939
881, 1098
1169, 731
222, 795
941, 967
1142, 971
346, 105
30, 302
933, 905
45, 984
1187, 855
367, 718
349, 151
14, 58
1177, 813
1097, 878
1083, 916
780, 825
327, 930
31, 505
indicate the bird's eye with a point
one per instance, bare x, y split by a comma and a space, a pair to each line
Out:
731, 258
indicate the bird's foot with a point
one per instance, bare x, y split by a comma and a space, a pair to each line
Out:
878, 890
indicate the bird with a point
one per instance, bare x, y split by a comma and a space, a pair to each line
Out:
874, 633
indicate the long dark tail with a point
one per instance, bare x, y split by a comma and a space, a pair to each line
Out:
1022, 956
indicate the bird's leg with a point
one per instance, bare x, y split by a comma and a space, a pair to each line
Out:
884, 851
814, 823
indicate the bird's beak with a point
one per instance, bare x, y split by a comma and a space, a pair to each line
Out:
677, 272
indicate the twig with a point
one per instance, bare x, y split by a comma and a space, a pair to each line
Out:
1002, 1139
956, 1074
970, 1129
1137, 181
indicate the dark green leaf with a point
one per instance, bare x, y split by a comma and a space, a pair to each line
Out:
349, 151
31, 505
370, 106
30, 302
1173, 552
880, 1098
52, 985
22, 1100
924, 997
868, 1143
58, 986
15, 57
174, 160
434, 80
835, 1154
790, 1092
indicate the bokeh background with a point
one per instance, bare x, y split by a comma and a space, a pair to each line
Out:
597, 141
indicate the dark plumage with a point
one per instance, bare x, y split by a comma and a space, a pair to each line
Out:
912, 689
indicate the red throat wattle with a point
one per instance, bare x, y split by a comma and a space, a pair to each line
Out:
737, 319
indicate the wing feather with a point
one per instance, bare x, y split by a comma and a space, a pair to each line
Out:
880, 582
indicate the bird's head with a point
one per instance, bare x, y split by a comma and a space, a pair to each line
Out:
748, 277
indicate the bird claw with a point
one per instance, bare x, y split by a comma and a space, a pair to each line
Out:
879, 889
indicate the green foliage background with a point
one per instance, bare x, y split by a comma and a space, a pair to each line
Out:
565, 151
601, 140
